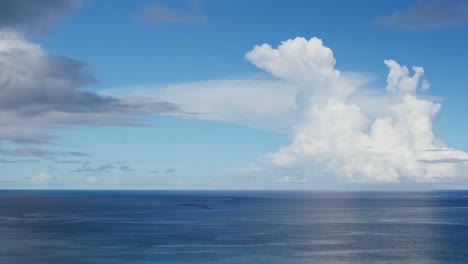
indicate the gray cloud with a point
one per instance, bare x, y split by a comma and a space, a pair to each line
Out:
2, 160
158, 13
40, 90
86, 167
30, 151
427, 15
68, 161
170, 170
24, 151
124, 168
34, 16
74, 153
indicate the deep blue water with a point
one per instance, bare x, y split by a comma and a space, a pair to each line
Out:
233, 227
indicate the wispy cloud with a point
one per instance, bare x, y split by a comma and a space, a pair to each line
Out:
427, 15
31, 151
249, 169
41, 178
74, 153
291, 179
2, 160
68, 161
159, 13
86, 167
444, 160
169, 170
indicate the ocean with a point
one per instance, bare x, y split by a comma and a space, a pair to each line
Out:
233, 227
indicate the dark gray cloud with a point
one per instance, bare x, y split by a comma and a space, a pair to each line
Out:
40, 90
30, 151
34, 16
24, 151
426, 15
124, 168
74, 153
86, 167
159, 13
2, 160
68, 161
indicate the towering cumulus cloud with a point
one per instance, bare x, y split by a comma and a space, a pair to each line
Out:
334, 133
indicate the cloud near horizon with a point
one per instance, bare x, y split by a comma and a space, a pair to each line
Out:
337, 128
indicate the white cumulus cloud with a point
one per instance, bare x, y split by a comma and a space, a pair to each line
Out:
336, 133
339, 128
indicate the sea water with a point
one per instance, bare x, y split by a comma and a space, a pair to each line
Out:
233, 227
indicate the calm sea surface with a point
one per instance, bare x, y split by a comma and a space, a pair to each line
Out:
233, 227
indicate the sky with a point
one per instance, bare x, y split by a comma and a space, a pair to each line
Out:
220, 94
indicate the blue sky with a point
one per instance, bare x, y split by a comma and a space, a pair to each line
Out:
180, 94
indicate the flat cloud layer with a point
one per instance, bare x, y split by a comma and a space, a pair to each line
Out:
40, 90
234, 101
338, 128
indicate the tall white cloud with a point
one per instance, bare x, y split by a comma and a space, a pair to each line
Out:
337, 134
338, 127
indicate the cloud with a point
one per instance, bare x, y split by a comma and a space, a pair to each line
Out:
291, 179
336, 135
158, 13
40, 90
207, 100
427, 15
2, 160
249, 169
34, 16
116, 182
41, 178
68, 161
86, 167
91, 180
24, 151
29, 151
444, 160
179, 182
169, 170
340, 129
